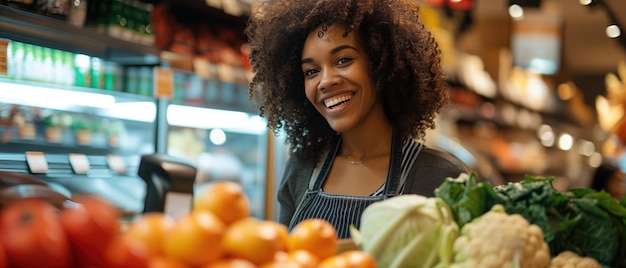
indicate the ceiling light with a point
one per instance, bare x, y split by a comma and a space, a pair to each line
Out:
586, 2
217, 136
566, 141
52, 98
231, 121
613, 31
516, 12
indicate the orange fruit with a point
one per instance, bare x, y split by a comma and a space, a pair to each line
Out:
281, 264
317, 236
149, 229
283, 233
304, 258
166, 262
349, 259
227, 199
195, 238
334, 262
230, 263
253, 239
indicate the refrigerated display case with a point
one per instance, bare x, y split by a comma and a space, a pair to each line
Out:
207, 121
80, 140
211, 124
78, 129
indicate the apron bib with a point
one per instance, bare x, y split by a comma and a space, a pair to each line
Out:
344, 210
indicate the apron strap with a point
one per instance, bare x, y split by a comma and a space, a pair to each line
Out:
315, 182
395, 167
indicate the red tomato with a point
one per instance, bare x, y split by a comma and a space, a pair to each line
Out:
90, 225
124, 253
3, 258
32, 235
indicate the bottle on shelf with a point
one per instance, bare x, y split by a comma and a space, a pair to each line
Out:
78, 13
58, 9
82, 67
28, 5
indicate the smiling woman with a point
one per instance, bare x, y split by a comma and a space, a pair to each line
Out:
354, 84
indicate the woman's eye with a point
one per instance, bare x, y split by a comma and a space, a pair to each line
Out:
309, 72
343, 61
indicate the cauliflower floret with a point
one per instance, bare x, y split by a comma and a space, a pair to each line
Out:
500, 240
569, 259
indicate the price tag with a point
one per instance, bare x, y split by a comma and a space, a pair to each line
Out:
4, 64
232, 7
214, 3
79, 163
116, 164
37, 162
163, 83
226, 73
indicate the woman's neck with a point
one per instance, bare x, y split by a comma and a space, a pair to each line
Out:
367, 141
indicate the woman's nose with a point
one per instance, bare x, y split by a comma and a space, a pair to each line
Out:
329, 79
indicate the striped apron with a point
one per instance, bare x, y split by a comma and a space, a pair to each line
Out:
345, 210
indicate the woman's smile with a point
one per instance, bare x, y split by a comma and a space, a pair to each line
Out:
337, 78
337, 101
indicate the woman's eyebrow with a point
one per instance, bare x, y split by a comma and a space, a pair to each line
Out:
332, 51
339, 48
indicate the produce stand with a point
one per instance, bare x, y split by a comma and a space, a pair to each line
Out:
467, 224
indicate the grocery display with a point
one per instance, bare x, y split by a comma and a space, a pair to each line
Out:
90, 232
86, 101
467, 224
474, 224
86, 154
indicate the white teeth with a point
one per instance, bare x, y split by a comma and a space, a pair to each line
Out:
336, 100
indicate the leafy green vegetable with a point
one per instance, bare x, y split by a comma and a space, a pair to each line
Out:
467, 198
580, 220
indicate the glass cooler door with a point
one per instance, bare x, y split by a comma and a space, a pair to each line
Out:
211, 124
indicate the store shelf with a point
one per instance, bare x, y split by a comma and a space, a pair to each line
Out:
215, 15
126, 190
28, 27
79, 100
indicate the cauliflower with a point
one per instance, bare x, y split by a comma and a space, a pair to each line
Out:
497, 239
569, 259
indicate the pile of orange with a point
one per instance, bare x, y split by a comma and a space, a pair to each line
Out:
219, 232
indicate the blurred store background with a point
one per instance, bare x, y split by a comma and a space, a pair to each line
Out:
89, 87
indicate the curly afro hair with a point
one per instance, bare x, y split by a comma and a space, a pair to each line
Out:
405, 60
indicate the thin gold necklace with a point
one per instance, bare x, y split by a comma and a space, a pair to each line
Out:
354, 162
360, 162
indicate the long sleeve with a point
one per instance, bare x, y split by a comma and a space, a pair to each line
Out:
431, 168
294, 183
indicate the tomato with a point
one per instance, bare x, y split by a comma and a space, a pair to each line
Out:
90, 225
32, 235
3, 258
124, 253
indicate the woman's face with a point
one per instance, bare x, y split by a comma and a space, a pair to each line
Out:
337, 79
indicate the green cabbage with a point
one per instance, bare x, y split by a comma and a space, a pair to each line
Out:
408, 231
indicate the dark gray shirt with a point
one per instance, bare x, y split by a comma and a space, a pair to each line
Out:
430, 168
